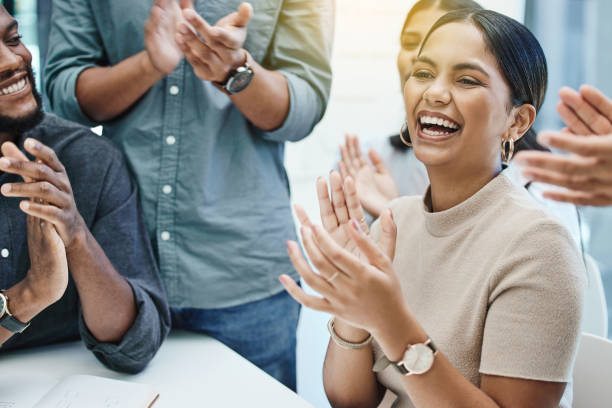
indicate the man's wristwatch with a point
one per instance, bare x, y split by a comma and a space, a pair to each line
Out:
6, 318
417, 359
239, 78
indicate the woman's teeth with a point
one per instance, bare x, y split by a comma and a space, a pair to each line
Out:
16, 87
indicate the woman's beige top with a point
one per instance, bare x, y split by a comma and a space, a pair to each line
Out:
495, 282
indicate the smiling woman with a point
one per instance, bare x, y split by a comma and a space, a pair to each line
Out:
472, 295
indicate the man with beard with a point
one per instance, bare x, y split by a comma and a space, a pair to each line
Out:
75, 259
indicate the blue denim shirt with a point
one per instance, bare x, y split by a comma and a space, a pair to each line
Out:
214, 189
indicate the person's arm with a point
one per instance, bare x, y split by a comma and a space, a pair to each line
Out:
367, 295
47, 278
290, 88
106, 298
79, 83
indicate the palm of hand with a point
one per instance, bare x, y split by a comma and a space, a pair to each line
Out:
160, 41
341, 236
375, 189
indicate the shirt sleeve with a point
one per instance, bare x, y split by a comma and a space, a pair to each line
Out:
301, 51
535, 307
121, 232
74, 46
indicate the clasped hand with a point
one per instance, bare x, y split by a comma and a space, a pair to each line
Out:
53, 221
174, 31
355, 275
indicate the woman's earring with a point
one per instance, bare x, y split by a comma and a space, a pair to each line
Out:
405, 135
507, 150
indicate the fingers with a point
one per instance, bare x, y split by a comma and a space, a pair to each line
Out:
388, 234
199, 55
186, 4
377, 162
301, 297
35, 171
216, 35
44, 191
44, 153
46, 212
326, 269
584, 145
9, 149
342, 259
354, 151
597, 99
338, 201
244, 15
354, 205
347, 161
580, 197
365, 244
573, 122
354, 139
571, 181
576, 165
302, 216
585, 112
343, 170
328, 216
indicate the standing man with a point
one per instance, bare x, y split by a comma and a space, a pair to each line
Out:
75, 259
205, 137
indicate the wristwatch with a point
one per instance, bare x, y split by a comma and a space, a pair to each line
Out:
417, 359
239, 78
6, 318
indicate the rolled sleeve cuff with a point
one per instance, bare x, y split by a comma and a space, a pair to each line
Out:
305, 111
65, 102
139, 344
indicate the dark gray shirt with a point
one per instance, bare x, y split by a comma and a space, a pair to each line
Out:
107, 199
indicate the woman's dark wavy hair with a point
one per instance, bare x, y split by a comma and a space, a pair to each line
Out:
519, 56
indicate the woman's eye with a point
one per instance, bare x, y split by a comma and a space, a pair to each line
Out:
422, 75
14, 40
469, 81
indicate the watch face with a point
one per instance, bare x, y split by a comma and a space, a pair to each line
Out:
240, 80
418, 359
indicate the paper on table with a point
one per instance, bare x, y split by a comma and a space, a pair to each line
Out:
88, 391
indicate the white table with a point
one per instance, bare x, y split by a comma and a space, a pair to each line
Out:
189, 370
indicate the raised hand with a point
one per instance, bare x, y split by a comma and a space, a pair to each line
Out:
358, 290
48, 187
47, 277
375, 184
586, 173
218, 49
160, 32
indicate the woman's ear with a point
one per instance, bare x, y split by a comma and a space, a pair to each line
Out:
523, 117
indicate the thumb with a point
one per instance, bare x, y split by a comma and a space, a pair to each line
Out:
388, 234
244, 14
187, 4
377, 162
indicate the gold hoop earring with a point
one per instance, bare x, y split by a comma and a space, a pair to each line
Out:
405, 135
507, 150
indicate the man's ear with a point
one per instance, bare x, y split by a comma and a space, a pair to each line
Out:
522, 118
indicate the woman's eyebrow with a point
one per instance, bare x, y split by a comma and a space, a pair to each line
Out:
425, 60
468, 65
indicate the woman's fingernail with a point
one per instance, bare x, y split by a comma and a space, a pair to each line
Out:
6, 188
25, 205
4, 162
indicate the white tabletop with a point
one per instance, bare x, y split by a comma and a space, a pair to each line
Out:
189, 370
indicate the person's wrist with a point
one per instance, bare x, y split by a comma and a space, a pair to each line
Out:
348, 332
79, 237
148, 69
394, 335
24, 301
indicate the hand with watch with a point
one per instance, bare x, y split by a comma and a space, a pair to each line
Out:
47, 278
215, 52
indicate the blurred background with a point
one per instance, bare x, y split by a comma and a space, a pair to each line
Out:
366, 100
